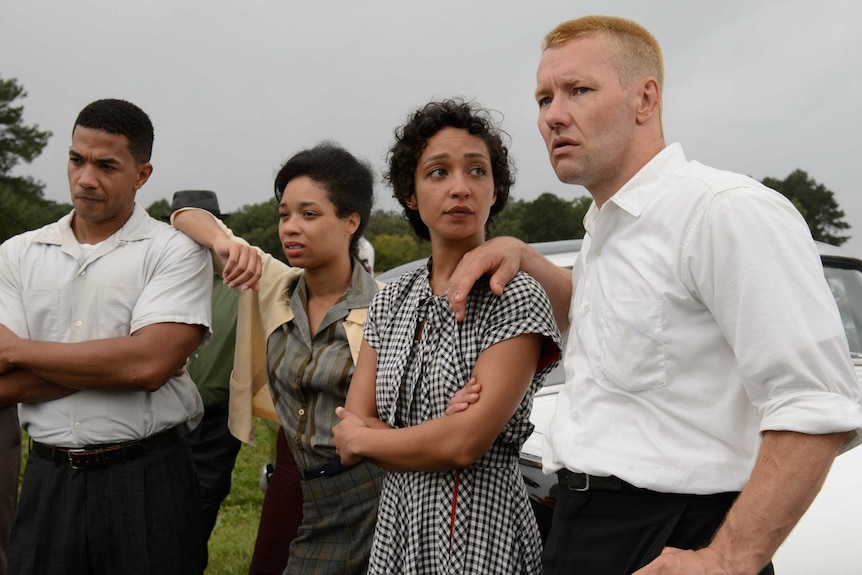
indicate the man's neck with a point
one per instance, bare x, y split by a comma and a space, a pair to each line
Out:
94, 232
602, 194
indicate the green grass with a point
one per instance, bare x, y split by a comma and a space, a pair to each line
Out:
232, 540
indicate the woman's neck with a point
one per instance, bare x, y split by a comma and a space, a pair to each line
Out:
329, 281
445, 257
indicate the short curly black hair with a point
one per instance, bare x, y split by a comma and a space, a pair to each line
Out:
120, 118
412, 138
348, 181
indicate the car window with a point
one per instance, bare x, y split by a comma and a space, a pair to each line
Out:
846, 286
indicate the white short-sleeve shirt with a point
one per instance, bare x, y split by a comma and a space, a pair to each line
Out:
145, 273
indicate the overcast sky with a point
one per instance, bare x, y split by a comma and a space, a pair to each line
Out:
234, 88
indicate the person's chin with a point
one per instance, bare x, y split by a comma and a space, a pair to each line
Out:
566, 172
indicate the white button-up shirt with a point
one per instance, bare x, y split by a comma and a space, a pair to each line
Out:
145, 273
700, 316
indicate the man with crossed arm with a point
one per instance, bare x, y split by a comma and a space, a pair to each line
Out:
99, 312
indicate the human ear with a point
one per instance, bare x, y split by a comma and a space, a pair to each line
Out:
352, 221
649, 99
144, 172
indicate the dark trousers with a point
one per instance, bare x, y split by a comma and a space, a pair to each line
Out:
281, 515
614, 533
214, 450
10, 463
141, 517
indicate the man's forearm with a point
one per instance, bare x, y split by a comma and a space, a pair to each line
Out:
790, 470
143, 361
21, 386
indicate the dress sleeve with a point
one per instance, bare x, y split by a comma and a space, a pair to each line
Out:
376, 311
523, 308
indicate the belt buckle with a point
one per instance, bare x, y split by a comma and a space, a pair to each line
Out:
74, 463
586, 486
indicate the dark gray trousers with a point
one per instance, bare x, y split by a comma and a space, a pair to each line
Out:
141, 517
10, 463
613, 533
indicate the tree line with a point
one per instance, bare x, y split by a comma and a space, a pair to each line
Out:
548, 217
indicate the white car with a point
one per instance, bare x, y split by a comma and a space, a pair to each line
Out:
826, 540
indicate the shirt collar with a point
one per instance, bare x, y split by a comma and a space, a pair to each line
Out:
137, 227
359, 293
362, 287
637, 192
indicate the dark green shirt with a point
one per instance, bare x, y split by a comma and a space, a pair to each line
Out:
210, 366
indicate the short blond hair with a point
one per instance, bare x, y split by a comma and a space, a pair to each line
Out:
636, 51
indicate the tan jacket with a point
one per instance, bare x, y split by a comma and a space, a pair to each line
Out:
258, 315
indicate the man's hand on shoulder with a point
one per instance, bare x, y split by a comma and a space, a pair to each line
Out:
500, 258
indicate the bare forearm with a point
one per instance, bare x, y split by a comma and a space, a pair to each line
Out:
86, 365
21, 386
237, 262
430, 446
143, 362
790, 471
199, 225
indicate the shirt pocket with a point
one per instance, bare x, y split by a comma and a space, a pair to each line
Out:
116, 309
632, 347
42, 307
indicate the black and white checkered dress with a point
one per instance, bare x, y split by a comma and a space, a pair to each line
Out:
473, 520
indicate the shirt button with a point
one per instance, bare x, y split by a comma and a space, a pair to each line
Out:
83, 273
301, 412
598, 251
79, 323
77, 425
586, 308
575, 415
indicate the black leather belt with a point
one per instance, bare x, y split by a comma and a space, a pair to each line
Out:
103, 455
583, 482
330, 469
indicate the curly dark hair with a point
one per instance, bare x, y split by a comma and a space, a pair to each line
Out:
348, 182
120, 118
412, 138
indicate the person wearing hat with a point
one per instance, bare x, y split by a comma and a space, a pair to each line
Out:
214, 449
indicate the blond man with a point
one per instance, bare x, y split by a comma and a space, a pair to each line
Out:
708, 380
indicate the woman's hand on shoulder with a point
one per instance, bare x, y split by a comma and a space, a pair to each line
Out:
242, 264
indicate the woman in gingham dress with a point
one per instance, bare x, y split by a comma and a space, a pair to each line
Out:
454, 500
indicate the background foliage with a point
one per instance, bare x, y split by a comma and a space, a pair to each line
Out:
22, 206
816, 204
548, 217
